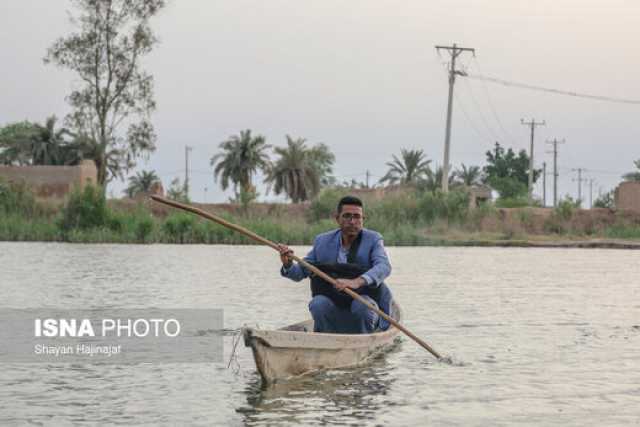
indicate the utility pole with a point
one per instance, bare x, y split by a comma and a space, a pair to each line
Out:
454, 51
187, 149
555, 143
591, 193
580, 180
368, 174
544, 184
205, 194
532, 124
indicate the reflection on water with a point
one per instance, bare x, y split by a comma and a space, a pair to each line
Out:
536, 336
336, 396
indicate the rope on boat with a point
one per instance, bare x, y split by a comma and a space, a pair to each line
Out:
234, 356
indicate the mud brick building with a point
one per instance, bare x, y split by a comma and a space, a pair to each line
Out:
52, 182
628, 196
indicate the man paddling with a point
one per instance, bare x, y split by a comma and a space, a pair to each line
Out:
356, 257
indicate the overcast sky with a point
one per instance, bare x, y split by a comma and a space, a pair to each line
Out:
364, 78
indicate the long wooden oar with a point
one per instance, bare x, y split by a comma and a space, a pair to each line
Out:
301, 261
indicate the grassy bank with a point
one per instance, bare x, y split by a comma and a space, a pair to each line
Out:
404, 218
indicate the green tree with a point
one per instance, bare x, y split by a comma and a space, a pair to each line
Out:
105, 52
141, 183
26, 143
16, 143
413, 166
79, 148
507, 173
322, 160
432, 182
86, 208
47, 142
241, 157
635, 175
177, 191
607, 200
468, 176
299, 171
17, 197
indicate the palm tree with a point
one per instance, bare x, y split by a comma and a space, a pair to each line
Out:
468, 175
413, 166
26, 143
81, 147
433, 181
141, 183
16, 142
241, 157
322, 159
49, 144
633, 176
299, 170
177, 191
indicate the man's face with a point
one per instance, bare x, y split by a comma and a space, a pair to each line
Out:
350, 220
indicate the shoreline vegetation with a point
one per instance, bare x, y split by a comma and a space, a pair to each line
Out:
407, 217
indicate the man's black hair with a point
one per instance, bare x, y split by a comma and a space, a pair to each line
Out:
349, 200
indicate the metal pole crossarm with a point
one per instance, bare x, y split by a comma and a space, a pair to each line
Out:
457, 48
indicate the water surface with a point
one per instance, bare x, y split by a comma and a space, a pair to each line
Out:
538, 336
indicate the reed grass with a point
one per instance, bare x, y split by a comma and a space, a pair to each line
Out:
409, 218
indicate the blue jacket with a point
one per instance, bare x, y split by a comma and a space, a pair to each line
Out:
371, 254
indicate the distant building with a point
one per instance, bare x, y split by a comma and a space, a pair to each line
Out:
478, 194
52, 182
156, 190
627, 196
378, 193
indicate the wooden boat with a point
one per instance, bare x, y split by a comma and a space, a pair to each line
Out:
296, 350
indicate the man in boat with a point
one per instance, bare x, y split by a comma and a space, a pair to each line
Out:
356, 257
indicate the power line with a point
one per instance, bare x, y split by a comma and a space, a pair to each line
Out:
470, 121
603, 172
599, 171
555, 91
491, 106
482, 117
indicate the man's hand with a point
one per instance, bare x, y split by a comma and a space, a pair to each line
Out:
356, 283
285, 255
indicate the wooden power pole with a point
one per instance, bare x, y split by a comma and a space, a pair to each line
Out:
544, 184
454, 51
555, 143
580, 181
187, 149
532, 124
